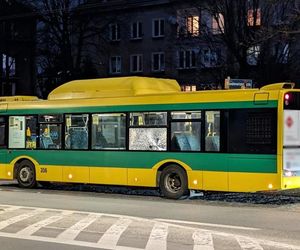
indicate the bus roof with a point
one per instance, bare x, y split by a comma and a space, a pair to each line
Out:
114, 87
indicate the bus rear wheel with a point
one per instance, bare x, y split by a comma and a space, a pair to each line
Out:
173, 182
26, 174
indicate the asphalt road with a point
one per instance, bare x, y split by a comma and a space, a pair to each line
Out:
49, 219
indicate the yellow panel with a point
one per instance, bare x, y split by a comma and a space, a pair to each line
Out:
142, 177
291, 182
49, 173
9, 172
251, 182
114, 176
76, 174
215, 180
2, 171
195, 179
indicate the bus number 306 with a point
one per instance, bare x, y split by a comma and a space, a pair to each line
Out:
43, 170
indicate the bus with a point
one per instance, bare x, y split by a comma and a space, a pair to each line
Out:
146, 132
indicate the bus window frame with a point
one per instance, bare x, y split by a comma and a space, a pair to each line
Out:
128, 127
64, 133
5, 123
110, 149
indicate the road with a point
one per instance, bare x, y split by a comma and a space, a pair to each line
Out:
49, 219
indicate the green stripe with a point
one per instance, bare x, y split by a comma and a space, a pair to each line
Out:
147, 107
197, 161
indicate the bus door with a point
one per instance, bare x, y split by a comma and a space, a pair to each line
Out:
291, 140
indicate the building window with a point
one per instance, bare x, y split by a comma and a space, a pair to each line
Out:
210, 58
8, 65
114, 32
189, 88
109, 131
188, 22
254, 17
253, 55
115, 65
77, 131
158, 28
186, 59
158, 61
136, 30
218, 24
136, 63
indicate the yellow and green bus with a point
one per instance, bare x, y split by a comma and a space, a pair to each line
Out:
139, 131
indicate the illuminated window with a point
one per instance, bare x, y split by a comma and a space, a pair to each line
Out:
254, 17
218, 24
192, 25
188, 88
188, 21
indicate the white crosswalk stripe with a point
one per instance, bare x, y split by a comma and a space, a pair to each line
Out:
72, 232
21, 217
203, 240
158, 237
111, 237
248, 243
27, 231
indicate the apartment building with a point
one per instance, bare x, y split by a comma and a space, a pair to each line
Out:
192, 42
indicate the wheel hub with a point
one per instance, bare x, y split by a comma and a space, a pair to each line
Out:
25, 174
173, 183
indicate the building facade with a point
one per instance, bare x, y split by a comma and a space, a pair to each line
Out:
17, 49
199, 43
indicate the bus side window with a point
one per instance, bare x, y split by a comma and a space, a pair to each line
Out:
212, 131
185, 131
2, 132
77, 131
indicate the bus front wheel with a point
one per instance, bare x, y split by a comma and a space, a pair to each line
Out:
26, 174
173, 182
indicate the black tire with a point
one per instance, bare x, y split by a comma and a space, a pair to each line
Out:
173, 182
26, 174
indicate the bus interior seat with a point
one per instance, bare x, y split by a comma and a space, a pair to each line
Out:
78, 138
185, 142
212, 143
46, 142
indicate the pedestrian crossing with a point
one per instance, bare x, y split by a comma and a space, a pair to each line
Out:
117, 232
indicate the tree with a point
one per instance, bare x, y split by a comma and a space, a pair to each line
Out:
260, 37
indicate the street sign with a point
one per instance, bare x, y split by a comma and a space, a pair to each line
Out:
238, 83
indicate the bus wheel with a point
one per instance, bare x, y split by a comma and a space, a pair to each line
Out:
173, 182
26, 174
